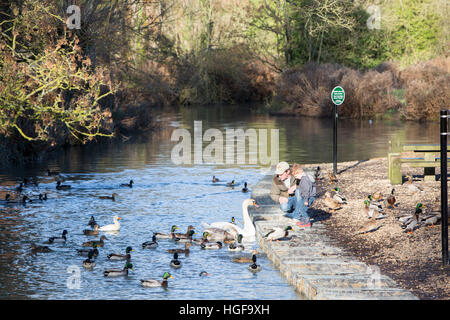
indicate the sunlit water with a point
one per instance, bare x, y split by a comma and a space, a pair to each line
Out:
163, 194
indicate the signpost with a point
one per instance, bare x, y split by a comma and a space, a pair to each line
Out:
338, 97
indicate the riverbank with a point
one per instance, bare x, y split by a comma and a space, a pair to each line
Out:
411, 260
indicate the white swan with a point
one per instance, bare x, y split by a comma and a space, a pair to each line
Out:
112, 227
248, 232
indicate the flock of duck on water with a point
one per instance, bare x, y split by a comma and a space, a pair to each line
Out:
377, 207
214, 235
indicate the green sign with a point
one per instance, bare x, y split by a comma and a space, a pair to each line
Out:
338, 95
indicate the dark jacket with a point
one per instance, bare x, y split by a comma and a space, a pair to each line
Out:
279, 188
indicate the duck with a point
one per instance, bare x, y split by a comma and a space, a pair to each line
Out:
113, 197
118, 272
413, 223
42, 249
188, 233
175, 263
90, 232
171, 235
118, 256
237, 247
211, 245
390, 200
217, 234
156, 283
370, 226
60, 186
92, 222
130, 185
412, 187
248, 231
89, 263
214, 179
99, 243
278, 233
112, 227
187, 239
52, 173
202, 240
254, 267
245, 189
44, 197
330, 203
231, 184
245, 259
23, 200
61, 239
338, 196
431, 218
373, 211
85, 252
185, 250
150, 244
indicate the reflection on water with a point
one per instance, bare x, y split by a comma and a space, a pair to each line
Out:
163, 195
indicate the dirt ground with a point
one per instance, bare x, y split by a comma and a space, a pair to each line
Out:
414, 260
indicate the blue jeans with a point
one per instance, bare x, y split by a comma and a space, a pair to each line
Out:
296, 209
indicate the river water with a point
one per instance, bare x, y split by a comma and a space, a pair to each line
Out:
163, 194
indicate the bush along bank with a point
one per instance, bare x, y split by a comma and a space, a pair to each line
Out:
417, 92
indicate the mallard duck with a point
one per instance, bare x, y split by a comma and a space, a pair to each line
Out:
150, 244
156, 283
432, 217
88, 263
211, 245
58, 239
90, 232
278, 233
52, 173
202, 240
231, 184
171, 235
118, 256
330, 203
99, 243
85, 252
254, 267
214, 179
118, 272
42, 249
185, 250
188, 239
238, 246
390, 200
245, 189
175, 263
218, 234
373, 211
60, 186
203, 274
370, 226
92, 222
130, 185
188, 233
338, 196
112, 227
413, 222
412, 187
245, 259
113, 197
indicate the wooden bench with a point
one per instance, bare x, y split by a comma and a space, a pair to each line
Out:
410, 156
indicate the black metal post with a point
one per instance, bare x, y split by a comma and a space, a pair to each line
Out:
444, 195
335, 140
